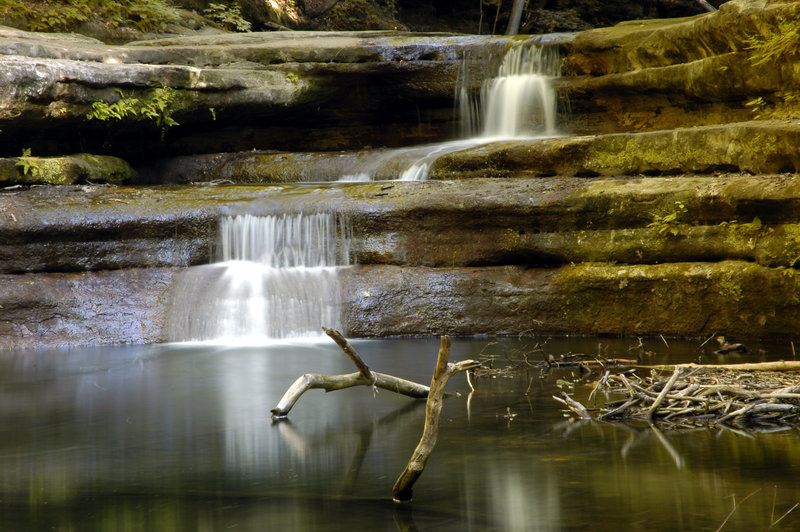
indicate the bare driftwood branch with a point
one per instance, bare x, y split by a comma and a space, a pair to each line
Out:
780, 365
329, 383
342, 342
663, 394
402, 491
573, 405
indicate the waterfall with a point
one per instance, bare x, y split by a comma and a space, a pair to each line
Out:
277, 278
519, 102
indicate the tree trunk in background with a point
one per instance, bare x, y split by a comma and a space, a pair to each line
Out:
705, 5
516, 17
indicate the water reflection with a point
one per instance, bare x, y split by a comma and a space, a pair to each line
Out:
179, 438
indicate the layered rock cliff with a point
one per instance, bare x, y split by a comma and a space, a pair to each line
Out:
672, 207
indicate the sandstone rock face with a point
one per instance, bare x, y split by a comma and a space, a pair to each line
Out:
672, 211
682, 256
661, 74
95, 308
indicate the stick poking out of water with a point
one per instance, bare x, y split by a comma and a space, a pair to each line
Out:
402, 490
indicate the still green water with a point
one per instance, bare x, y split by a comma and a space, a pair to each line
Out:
179, 438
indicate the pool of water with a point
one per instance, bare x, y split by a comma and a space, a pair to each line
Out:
179, 437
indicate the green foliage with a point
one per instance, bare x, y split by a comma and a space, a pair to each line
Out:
228, 15
669, 224
28, 164
758, 106
158, 106
59, 15
778, 44
363, 14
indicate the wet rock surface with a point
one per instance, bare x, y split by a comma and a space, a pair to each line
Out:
544, 255
672, 211
94, 308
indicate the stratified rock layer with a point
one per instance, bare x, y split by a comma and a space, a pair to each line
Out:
672, 211
681, 256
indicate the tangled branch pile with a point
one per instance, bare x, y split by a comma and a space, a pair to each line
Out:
754, 399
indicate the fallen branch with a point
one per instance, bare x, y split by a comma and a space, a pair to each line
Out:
402, 490
780, 365
329, 383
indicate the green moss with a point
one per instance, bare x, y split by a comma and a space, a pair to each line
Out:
80, 168
729, 287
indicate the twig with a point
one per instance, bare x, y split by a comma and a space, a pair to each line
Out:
735, 506
573, 405
664, 392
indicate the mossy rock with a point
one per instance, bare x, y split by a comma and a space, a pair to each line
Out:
67, 170
753, 147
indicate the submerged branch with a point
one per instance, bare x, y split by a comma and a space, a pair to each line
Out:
780, 365
330, 383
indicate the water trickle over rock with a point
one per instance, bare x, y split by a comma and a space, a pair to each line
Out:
278, 278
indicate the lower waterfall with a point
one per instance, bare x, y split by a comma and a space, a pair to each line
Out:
277, 279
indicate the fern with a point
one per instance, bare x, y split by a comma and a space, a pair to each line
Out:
157, 107
28, 164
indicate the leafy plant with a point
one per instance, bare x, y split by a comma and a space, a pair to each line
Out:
28, 164
779, 43
229, 15
57, 15
157, 106
758, 106
669, 224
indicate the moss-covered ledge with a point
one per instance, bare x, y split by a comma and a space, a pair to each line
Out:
737, 298
66, 170
752, 147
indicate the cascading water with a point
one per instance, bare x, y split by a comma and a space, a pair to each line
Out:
520, 102
278, 278
278, 275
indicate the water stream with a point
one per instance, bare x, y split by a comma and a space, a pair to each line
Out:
277, 276
178, 438
519, 102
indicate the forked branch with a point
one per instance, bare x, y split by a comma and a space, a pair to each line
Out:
329, 383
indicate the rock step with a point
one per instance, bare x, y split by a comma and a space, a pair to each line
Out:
735, 298
477, 222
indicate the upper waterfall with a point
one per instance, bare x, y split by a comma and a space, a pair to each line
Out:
519, 101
